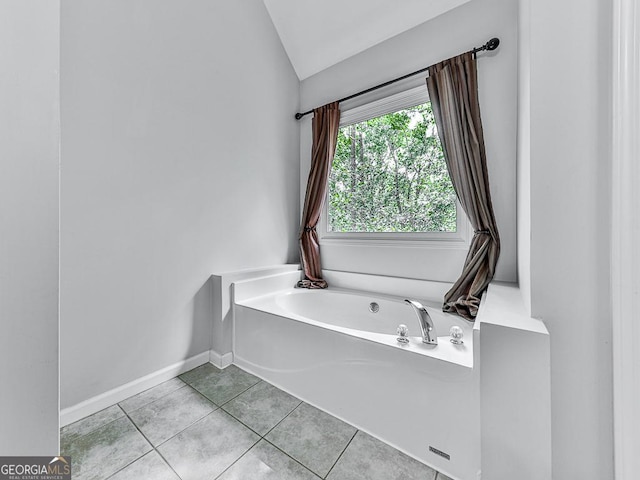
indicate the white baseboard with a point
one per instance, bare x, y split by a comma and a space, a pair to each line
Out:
111, 397
221, 361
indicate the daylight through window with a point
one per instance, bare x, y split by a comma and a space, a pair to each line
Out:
389, 175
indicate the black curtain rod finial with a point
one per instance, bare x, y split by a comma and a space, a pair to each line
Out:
489, 46
492, 44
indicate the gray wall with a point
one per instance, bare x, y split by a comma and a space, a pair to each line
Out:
565, 146
29, 166
180, 158
450, 34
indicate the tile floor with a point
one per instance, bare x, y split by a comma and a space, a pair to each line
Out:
228, 425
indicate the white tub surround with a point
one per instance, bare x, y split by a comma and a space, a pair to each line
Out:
515, 388
221, 283
423, 400
348, 312
485, 405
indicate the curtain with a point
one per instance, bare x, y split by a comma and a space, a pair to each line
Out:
453, 89
325, 125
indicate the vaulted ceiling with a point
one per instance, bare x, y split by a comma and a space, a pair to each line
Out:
319, 33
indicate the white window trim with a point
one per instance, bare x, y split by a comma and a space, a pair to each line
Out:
459, 239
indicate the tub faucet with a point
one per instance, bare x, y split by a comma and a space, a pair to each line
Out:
429, 335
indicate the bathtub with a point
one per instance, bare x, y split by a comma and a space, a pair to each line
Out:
330, 349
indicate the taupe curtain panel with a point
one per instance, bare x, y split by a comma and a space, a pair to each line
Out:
325, 125
453, 89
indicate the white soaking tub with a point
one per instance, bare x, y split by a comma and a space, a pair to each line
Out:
328, 348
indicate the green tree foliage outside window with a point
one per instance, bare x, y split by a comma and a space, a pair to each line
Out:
389, 175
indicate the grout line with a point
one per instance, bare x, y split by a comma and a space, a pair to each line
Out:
215, 408
122, 409
169, 465
205, 397
297, 461
238, 459
254, 431
292, 458
188, 426
178, 433
285, 417
260, 436
96, 428
151, 403
243, 391
143, 436
341, 454
140, 431
184, 384
240, 422
131, 463
155, 386
232, 398
263, 437
281, 450
106, 424
189, 383
153, 447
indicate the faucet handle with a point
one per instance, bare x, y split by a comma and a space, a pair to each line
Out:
456, 335
403, 334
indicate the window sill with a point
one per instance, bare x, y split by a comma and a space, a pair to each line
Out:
450, 241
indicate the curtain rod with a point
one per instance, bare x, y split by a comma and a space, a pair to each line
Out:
490, 45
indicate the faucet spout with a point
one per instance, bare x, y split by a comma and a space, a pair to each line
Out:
429, 335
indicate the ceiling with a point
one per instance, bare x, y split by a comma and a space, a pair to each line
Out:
320, 33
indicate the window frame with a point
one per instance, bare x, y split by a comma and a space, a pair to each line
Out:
393, 103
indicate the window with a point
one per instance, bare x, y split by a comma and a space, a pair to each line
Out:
389, 178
